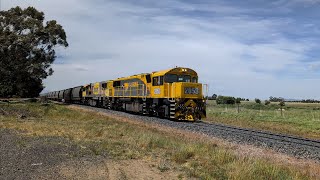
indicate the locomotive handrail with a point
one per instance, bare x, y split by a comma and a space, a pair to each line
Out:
145, 92
141, 91
205, 94
173, 90
167, 93
171, 94
168, 90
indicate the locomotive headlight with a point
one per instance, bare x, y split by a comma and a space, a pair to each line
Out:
191, 90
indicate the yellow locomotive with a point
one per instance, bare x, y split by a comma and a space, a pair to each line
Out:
174, 93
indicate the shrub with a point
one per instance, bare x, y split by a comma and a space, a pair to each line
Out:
226, 100
282, 103
266, 102
258, 101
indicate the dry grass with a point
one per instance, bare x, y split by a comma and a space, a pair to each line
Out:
123, 138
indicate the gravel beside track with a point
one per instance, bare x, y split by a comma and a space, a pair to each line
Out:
291, 145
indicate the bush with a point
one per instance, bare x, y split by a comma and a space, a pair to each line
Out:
282, 103
226, 100
258, 101
266, 102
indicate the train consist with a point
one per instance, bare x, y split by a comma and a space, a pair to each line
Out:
174, 93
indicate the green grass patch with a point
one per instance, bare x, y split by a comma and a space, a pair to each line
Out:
296, 119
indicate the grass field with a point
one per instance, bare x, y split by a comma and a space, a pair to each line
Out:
297, 119
195, 157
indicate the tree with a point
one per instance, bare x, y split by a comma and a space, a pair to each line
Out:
220, 100
230, 100
214, 97
281, 104
275, 99
271, 99
27, 49
258, 101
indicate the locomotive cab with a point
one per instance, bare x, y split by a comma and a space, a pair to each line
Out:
183, 93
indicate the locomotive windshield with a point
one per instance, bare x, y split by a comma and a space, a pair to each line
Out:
170, 78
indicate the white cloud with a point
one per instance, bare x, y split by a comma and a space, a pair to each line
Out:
315, 67
235, 53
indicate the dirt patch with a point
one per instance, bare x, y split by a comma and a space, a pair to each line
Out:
113, 170
89, 167
23, 157
28, 157
137, 169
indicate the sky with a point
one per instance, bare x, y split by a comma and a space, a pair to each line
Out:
248, 48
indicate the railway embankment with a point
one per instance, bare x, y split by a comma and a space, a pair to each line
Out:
65, 136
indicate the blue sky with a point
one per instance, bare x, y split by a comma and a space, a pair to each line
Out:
250, 48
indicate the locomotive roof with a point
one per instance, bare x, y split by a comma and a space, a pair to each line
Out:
136, 75
173, 70
163, 72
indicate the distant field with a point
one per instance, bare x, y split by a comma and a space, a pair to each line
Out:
187, 155
302, 119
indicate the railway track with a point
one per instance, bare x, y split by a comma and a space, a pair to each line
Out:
265, 134
291, 145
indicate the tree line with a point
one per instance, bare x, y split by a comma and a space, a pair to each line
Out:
233, 100
280, 99
308, 101
225, 99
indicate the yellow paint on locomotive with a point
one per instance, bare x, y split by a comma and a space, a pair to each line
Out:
176, 89
126, 86
84, 93
109, 91
96, 87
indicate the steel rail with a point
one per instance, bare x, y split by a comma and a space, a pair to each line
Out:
264, 134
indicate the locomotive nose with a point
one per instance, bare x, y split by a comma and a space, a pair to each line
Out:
190, 109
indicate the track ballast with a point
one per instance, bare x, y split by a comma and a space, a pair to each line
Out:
291, 145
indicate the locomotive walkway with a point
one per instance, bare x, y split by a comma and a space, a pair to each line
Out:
291, 145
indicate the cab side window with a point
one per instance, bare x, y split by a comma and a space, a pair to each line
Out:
88, 90
104, 85
161, 81
148, 78
157, 81
194, 80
